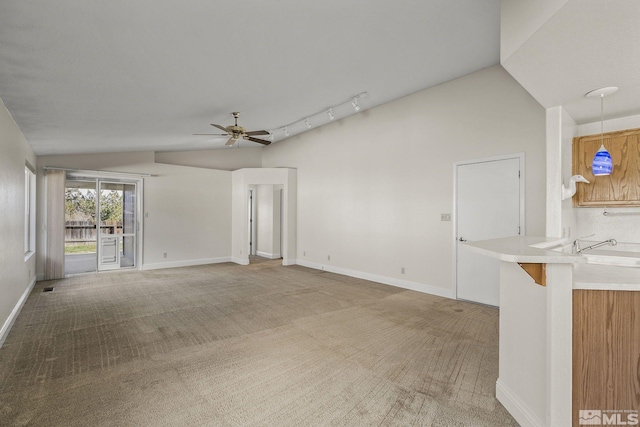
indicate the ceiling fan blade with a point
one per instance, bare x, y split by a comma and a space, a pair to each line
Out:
257, 132
230, 142
212, 134
222, 128
259, 141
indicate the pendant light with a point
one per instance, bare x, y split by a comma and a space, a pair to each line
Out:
602, 163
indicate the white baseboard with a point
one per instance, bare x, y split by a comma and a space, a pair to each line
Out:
268, 255
186, 263
16, 310
516, 407
405, 284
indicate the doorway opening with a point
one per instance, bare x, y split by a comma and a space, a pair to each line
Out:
265, 231
252, 222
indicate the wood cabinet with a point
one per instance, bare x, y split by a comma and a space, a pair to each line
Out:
622, 187
606, 353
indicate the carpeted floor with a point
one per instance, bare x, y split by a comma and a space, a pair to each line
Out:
258, 345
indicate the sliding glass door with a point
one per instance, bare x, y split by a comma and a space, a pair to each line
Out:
100, 224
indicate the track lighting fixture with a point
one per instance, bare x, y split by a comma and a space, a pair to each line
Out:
328, 111
271, 136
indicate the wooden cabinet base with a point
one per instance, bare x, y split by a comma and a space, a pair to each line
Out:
606, 356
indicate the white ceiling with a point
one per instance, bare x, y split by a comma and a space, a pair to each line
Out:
97, 76
585, 45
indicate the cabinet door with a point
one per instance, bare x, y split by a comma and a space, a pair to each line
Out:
622, 187
606, 353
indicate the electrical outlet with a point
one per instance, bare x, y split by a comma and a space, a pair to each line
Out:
164, 255
328, 257
304, 253
445, 217
402, 270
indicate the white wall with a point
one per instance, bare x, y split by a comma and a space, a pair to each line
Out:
17, 275
588, 221
189, 209
371, 187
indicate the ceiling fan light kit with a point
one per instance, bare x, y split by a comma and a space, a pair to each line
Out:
236, 132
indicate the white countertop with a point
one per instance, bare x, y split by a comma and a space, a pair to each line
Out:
518, 249
585, 276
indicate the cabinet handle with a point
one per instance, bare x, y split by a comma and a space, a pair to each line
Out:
462, 239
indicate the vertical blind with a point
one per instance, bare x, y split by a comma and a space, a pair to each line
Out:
54, 263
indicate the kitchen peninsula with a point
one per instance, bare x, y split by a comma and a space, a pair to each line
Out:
569, 334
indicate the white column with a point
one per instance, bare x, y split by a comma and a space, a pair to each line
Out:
554, 172
559, 344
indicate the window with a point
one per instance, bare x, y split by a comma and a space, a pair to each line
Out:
29, 212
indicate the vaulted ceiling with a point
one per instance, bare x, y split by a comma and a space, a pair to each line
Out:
95, 76
581, 45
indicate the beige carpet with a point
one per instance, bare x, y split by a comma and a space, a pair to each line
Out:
258, 345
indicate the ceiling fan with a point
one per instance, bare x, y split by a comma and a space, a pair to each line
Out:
236, 132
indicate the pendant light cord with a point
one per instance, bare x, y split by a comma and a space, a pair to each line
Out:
602, 119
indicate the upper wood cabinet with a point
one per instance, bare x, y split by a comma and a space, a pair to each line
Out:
622, 187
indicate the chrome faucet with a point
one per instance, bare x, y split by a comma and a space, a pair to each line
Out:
576, 245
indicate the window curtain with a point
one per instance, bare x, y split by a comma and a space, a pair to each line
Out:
54, 263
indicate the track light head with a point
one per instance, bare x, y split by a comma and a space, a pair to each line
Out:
330, 114
307, 122
356, 107
286, 131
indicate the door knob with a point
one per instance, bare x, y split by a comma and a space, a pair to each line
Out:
462, 239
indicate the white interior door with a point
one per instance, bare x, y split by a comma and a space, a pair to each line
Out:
489, 202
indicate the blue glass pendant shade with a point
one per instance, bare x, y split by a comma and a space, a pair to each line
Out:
602, 164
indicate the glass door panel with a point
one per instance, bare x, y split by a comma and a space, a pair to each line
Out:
80, 203
118, 225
